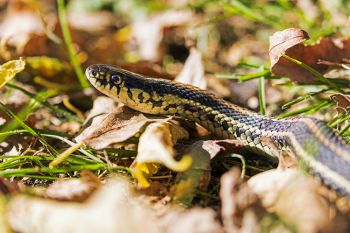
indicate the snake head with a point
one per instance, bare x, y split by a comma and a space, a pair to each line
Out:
104, 77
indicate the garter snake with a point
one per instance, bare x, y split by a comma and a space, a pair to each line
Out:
316, 146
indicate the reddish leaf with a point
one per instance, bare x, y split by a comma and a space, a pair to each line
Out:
290, 41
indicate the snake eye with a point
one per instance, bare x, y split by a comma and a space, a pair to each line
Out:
116, 79
94, 73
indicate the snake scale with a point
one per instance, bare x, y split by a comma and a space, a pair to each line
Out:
318, 148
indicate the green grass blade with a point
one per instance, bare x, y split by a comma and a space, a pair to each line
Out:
26, 127
314, 72
60, 112
69, 44
261, 91
308, 109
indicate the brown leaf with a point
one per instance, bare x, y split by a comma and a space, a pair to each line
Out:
343, 101
113, 125
281, 41
288, 192
76, 190
241, 209
214, 147
290, 41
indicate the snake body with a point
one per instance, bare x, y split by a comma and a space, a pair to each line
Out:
318, 148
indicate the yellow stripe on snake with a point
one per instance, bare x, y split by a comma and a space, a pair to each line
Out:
316, 146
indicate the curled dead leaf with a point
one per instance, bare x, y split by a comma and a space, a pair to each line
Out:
156, 146
290, 41
281, 41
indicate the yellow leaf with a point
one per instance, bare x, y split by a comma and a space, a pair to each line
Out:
10, 69
156, 147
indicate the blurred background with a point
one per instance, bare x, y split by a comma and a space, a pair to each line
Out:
155, 38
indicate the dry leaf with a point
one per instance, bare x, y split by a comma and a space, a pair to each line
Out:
76, 190
343, 101
288, 192
290, 41
9, 70
116, 126
241, 209
193, 70
113, 208
156, 146
214, 147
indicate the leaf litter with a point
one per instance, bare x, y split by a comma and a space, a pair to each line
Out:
185, 163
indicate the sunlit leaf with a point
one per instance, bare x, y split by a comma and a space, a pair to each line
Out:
156, 147
10, 69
